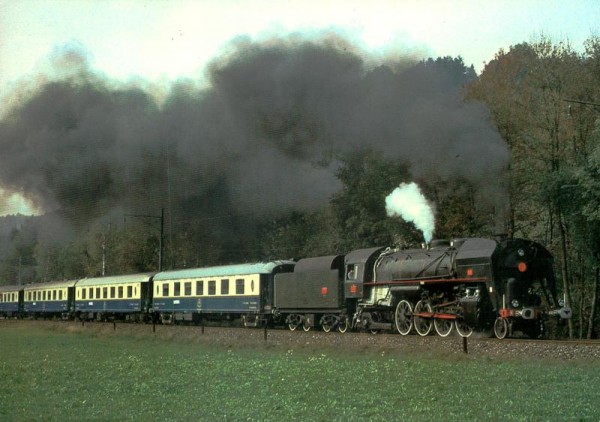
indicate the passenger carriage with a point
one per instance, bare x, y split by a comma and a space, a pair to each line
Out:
231, 291
124, 297
49, 300
11, 301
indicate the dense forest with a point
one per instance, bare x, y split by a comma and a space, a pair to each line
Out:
291, 152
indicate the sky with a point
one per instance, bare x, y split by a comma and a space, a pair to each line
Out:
162, 41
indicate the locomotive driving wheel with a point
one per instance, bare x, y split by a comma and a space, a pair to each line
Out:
422, 325
443, 326
403, 317
462, 328
501, 327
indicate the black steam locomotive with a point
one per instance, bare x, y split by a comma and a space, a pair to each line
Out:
504, 285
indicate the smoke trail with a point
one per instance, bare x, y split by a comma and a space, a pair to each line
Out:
264, 136
407, 201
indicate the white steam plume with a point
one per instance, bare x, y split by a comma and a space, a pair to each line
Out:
407, 201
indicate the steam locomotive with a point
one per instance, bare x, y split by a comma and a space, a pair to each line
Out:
504, 285
473, 284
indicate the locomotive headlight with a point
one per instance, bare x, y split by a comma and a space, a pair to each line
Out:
521, 252
515, 303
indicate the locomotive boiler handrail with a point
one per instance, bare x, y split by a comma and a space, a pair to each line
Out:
426, 280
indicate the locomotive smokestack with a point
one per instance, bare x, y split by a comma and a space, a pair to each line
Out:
408, 202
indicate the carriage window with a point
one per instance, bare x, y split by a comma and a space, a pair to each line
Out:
120, 292
188, 288
165, 289
60, 295
129, 291
177, 287
83, 292
98, 293
199, 288
212, 287
225, 287
91, 292
105, 292
113, 291
239, 286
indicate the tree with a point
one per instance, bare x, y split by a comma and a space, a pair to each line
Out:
525, 89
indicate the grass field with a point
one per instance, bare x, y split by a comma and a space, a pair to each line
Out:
53, 375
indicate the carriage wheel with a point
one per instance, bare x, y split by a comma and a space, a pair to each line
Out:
422, 325
443, 326
462, 328
403, 317
500, 327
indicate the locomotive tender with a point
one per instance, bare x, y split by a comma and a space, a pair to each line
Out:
471, 284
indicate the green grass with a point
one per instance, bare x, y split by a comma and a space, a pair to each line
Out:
59, 375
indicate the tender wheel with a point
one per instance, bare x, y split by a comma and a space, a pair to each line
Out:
306, 327
328, 322
500, 327
443, 327
294, 322
343, 325
462, 328
404, 317
423, 325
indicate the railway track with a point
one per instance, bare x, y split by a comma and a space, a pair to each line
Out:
319, 341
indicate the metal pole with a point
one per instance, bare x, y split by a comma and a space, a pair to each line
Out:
162, 229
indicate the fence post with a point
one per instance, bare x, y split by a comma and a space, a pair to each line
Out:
465, 346
266, 323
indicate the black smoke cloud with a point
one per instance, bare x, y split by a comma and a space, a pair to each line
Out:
263, 136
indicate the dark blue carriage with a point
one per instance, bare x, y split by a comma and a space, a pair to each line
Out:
11, 301
49, 300
229, 291
124, 297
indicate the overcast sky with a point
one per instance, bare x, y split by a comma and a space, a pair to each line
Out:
168, 39
160, 41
